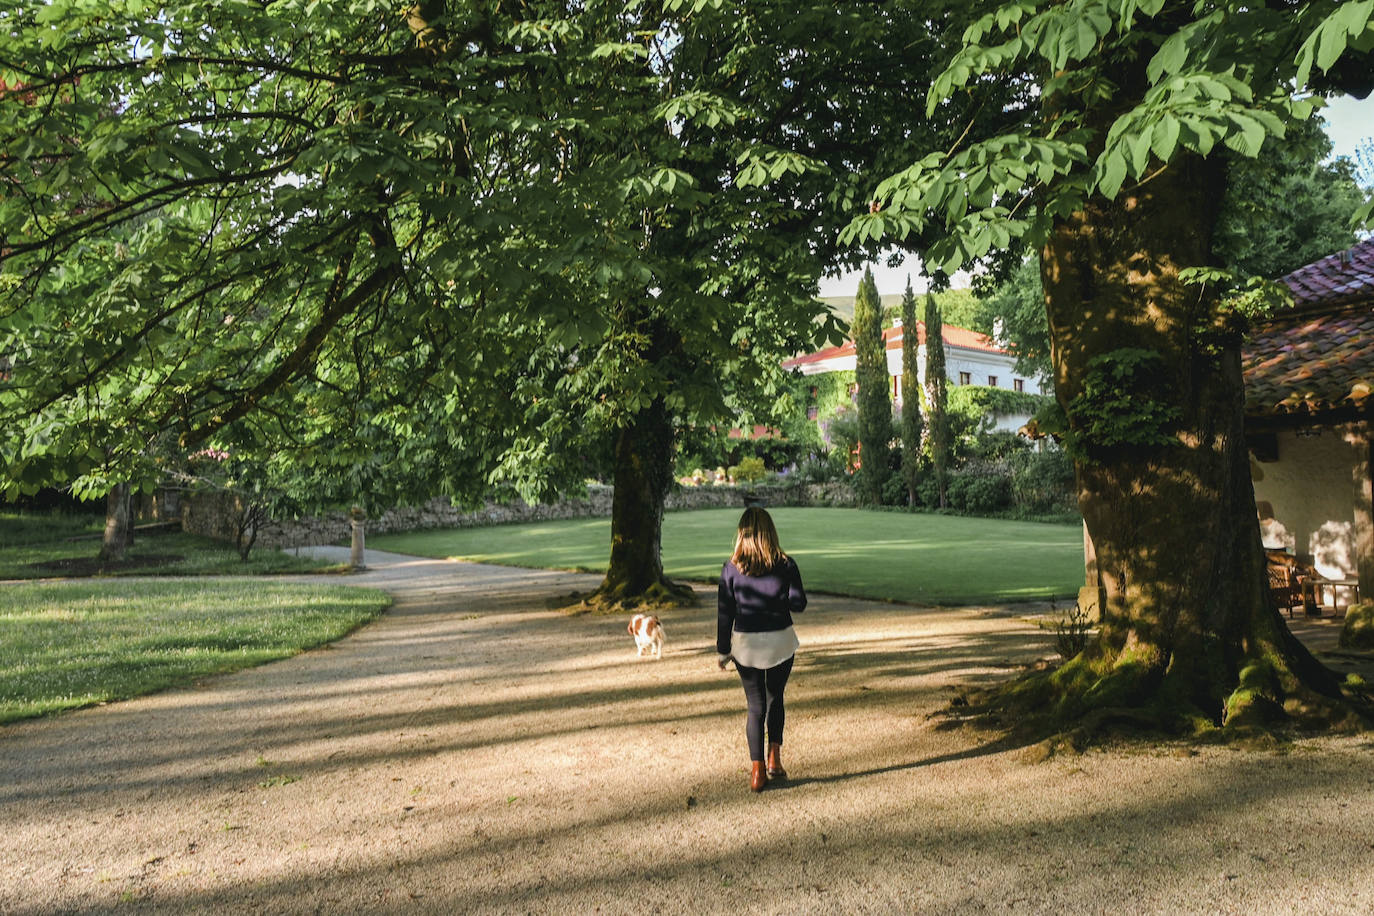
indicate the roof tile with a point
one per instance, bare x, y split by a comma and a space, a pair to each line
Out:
1304, 362
892, 337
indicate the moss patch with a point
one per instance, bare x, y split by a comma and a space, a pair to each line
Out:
661, 596
1358, 633
1255, 701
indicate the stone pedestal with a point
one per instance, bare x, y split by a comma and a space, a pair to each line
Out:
356, 548
1090, 595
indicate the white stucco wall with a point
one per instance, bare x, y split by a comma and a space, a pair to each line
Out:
1009, 422
980, 366
1313, 488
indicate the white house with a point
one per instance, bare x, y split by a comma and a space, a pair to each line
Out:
970, 359
1309, 422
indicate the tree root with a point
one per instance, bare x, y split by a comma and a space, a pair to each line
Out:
1089, 700
663, 594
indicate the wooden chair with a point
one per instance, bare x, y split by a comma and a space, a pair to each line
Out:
1287, 582
1285, 586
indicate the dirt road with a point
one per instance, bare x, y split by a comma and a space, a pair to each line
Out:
474, 751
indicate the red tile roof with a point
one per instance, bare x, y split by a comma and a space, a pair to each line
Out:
892, 337
1337, 279
1319, 356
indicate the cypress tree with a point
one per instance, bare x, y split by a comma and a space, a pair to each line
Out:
911, 395
875, 402
937, 436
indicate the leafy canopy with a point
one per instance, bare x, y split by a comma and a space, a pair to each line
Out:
420, 252
1219, 77
1283, 209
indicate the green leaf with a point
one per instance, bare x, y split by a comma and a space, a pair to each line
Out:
1206, 136
1170, 57
1250, 138
1140, 153
1363, 216
1348, 20
1164, 137
1113, 171
620, 49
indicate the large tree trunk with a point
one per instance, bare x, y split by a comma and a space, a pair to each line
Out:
119, 524
1148, 371
643, 473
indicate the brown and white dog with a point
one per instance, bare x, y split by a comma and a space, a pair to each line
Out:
648, 634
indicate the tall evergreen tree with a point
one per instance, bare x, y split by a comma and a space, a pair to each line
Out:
911, 395
875, 403
937, 435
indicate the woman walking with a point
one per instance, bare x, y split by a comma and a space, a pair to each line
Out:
760, 590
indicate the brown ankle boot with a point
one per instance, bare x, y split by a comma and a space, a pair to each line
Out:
775, 770
757, 777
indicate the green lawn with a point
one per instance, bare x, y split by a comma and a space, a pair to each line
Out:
920, 558
20, 529
34, 546
70, 644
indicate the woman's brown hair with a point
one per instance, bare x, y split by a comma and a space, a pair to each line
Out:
756, 543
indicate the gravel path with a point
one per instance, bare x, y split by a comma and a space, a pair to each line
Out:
473, 751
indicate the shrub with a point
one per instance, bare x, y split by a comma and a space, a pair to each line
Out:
816, 470
700, 447
749, 470
999, 445
979, 490
894, 490
841, 433
1043, 481
1024, 484
928, 492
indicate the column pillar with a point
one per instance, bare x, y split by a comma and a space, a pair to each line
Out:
1090, 595
1362, 451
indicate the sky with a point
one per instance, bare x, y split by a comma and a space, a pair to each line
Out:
1349, 121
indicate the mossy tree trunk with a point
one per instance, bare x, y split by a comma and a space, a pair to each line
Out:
1147, 368
643, 474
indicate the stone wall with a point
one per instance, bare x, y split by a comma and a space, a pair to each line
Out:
213, 514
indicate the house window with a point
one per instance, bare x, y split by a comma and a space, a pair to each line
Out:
965, 378
992, 381
853, 391
1018, 384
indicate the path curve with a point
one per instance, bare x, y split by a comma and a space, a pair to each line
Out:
473, 751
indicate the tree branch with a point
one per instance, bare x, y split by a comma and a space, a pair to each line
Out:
335, 308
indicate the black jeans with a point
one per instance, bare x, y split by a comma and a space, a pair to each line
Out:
763, 689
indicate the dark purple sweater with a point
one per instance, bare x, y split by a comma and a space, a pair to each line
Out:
756, 604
